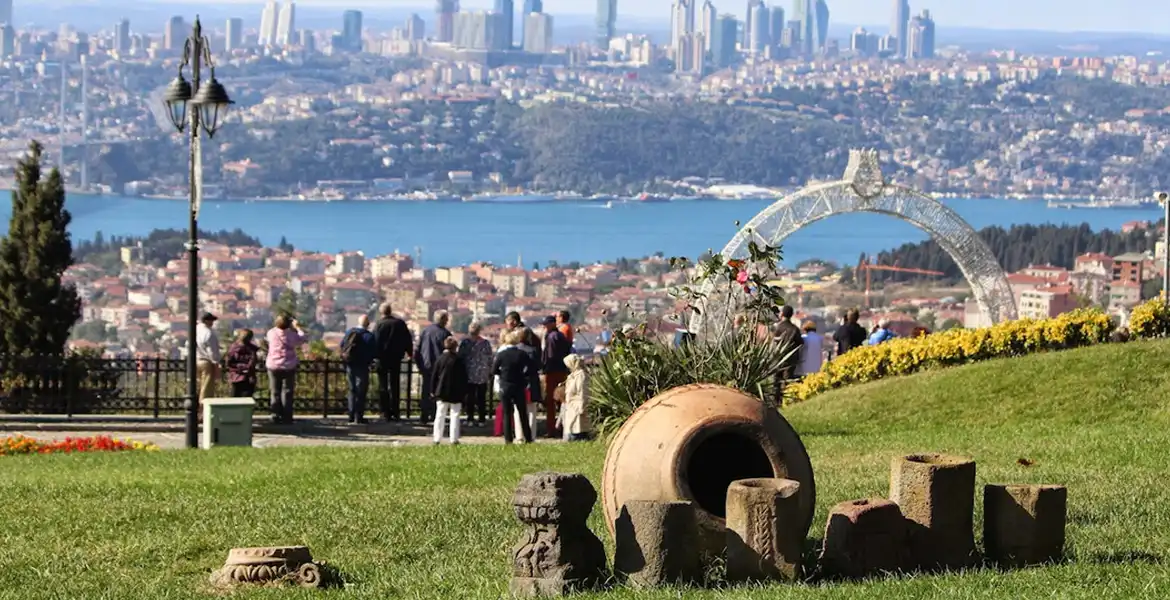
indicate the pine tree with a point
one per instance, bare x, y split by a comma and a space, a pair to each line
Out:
37, 310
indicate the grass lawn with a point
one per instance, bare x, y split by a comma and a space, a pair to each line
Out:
437, 522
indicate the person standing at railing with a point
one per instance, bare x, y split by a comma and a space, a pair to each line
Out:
430, 348
207, 355
513, 369
477, 354
556, 347
283, 341
358, 350
394, 342
241, 364
449, 385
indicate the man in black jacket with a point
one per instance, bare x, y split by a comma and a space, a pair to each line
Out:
850, 335
430, 348
788, 335
393, 341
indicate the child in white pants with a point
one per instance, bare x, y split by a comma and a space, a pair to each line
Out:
449, 387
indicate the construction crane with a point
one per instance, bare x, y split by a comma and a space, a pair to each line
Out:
869, 268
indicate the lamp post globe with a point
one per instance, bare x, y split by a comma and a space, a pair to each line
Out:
212, 102
177, 96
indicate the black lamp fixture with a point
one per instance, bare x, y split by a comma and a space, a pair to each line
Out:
212, 102
177, 96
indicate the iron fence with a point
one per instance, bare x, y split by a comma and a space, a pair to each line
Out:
81, 385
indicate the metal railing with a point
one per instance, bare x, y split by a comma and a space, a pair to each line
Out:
80, 385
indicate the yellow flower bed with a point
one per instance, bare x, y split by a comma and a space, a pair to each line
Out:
1150, 320
904, 356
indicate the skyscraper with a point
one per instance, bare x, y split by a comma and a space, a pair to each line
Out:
776, 25
416, 28
7, 40
863, 42
538, 33
445, 11
920, 37
307, 40
533, 6
822, 25
606, 22
122, 37
173, 35
758, 35
747, 23
351, 30
507, 21
723, 41
235, 34
268, 22
807, 15
6, 11
927, 35
681, 22
286, 25
899, 28
706, 24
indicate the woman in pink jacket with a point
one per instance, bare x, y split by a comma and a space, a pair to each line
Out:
283, 341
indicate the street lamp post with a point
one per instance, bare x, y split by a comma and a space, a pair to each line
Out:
209, 102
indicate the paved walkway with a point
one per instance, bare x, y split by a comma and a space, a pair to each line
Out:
167, 432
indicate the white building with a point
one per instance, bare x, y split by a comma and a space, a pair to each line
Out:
538, 33
286, 25
268, 23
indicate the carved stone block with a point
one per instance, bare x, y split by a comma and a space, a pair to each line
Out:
863, 538
1024, 524
272, 566
558, 554
657, 543
765, 535
936, 493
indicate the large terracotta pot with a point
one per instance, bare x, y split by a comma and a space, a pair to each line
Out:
691, 443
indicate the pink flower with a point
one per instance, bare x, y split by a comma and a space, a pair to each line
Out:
742, 277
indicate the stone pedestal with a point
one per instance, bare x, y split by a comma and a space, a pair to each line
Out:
1024, 524
558, 554
765, 534
863, 538
657, 543
936, 493
272, 566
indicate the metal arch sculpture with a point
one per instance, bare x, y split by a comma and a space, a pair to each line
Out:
863, 189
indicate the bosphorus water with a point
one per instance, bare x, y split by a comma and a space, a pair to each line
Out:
461, 233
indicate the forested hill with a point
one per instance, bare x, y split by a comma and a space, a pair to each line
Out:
1021, 246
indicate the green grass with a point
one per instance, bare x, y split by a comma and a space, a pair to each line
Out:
437, 523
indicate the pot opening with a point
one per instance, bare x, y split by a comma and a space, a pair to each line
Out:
717, 462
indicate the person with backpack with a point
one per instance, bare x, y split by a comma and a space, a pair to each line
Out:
358, 351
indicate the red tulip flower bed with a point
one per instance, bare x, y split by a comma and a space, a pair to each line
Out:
19, 444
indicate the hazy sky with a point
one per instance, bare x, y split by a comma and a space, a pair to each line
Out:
1062, 15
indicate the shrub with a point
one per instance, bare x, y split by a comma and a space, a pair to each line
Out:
1150, 320
20, 444
955, 347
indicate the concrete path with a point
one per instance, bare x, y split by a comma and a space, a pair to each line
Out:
167, 432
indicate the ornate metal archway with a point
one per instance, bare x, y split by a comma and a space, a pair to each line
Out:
863, 189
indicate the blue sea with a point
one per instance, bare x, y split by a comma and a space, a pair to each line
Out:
460, 233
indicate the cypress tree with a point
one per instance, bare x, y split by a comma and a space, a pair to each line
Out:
37, 310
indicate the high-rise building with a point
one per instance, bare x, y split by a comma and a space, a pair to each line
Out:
821, 11
791, 38
900, 26
416, 28
538, 33
122, 37
759, 36
7, 40
533, 6
174, 34
928, 46
863, 42
805, 12
706, 24
681, 22
776, 25
507, 20
268, 23
480, 30
286, 24
351, 30
6, 11
306, 40
606, 22
445, 12
724, 36
234, 38
747, 24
